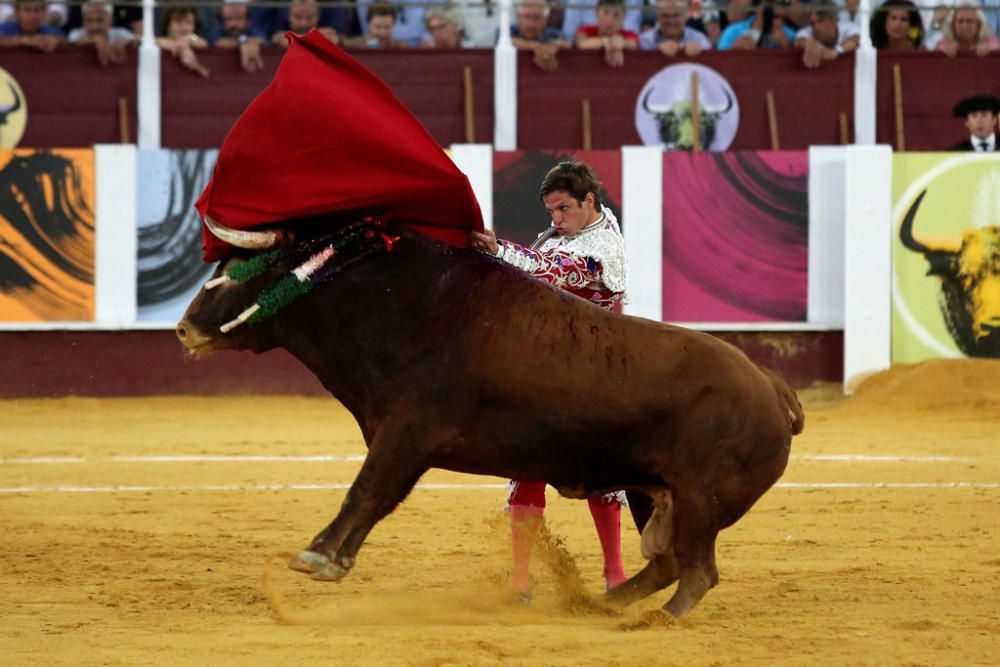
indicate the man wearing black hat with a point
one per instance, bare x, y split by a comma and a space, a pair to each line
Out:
980, 114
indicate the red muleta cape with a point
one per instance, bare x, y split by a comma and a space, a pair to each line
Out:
328, 136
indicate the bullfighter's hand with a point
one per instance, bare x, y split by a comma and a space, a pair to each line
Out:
485, 241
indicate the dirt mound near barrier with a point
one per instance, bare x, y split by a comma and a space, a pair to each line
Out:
935, 384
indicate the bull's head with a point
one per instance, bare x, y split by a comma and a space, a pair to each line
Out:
969, 269
267, 271
676, 128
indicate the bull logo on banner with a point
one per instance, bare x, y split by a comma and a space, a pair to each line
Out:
663, 110
13, 111
962, 252
969, 268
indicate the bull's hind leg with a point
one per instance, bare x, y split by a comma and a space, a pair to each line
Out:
389, 473
694, 548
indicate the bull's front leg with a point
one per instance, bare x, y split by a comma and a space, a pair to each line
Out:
389, 473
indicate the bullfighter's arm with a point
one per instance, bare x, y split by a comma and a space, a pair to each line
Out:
555, 267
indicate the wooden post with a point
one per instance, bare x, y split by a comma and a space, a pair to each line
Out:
897, 88
585, 109
695, 114
123, 124
845, 133
470, 110
772, 121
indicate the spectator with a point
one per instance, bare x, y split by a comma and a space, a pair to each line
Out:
980, 114
992, 12
179, 37
28, 28
238, 33
444, 28
303, 16
850, 12
409, 26
381, 21
271, 20
532, 33
575, 17
824, 38
897, 25
56, 13
607, 33
671, 36
479, 20
766, 28
966, 31
111, 43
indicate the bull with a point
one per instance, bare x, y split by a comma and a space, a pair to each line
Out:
676, 126
969, 269
448, 358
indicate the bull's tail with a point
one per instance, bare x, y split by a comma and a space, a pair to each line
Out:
788, 400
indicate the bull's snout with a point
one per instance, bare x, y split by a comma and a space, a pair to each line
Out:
191, 338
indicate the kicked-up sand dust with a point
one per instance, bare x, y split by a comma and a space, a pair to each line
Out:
154, 531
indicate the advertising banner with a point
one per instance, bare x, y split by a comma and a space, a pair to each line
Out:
46, 235
735, 236
169, 267
946, 256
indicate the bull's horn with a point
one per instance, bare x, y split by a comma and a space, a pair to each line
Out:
646, 107
242, 238
13, 106
925, 244
729, 105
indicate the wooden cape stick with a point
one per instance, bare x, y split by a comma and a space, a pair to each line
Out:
585, 109
695, 113
470, 111
772, 121
897, 89
123, 124
845, 133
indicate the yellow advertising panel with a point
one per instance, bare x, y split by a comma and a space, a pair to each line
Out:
46, 235
946, 256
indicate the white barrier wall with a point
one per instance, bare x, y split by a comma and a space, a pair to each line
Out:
867, 263
115, 216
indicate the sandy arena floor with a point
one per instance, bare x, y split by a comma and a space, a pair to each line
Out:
151, 531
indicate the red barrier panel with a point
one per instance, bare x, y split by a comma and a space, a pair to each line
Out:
807, 102
72, 100
197, 112
931, 86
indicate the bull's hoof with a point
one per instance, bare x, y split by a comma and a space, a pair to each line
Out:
330, 572
308, 562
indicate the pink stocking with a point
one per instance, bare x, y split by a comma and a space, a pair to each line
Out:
525, 520
607, 520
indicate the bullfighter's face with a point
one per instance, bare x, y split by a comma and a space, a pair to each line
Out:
569, 215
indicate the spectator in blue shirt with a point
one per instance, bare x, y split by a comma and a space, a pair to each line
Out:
532, 33
765, 28
28, 28
671, 36
237, 32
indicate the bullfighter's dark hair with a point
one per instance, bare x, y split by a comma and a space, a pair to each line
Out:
611, 3
576, 178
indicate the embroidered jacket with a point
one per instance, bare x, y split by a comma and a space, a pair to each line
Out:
590, 264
